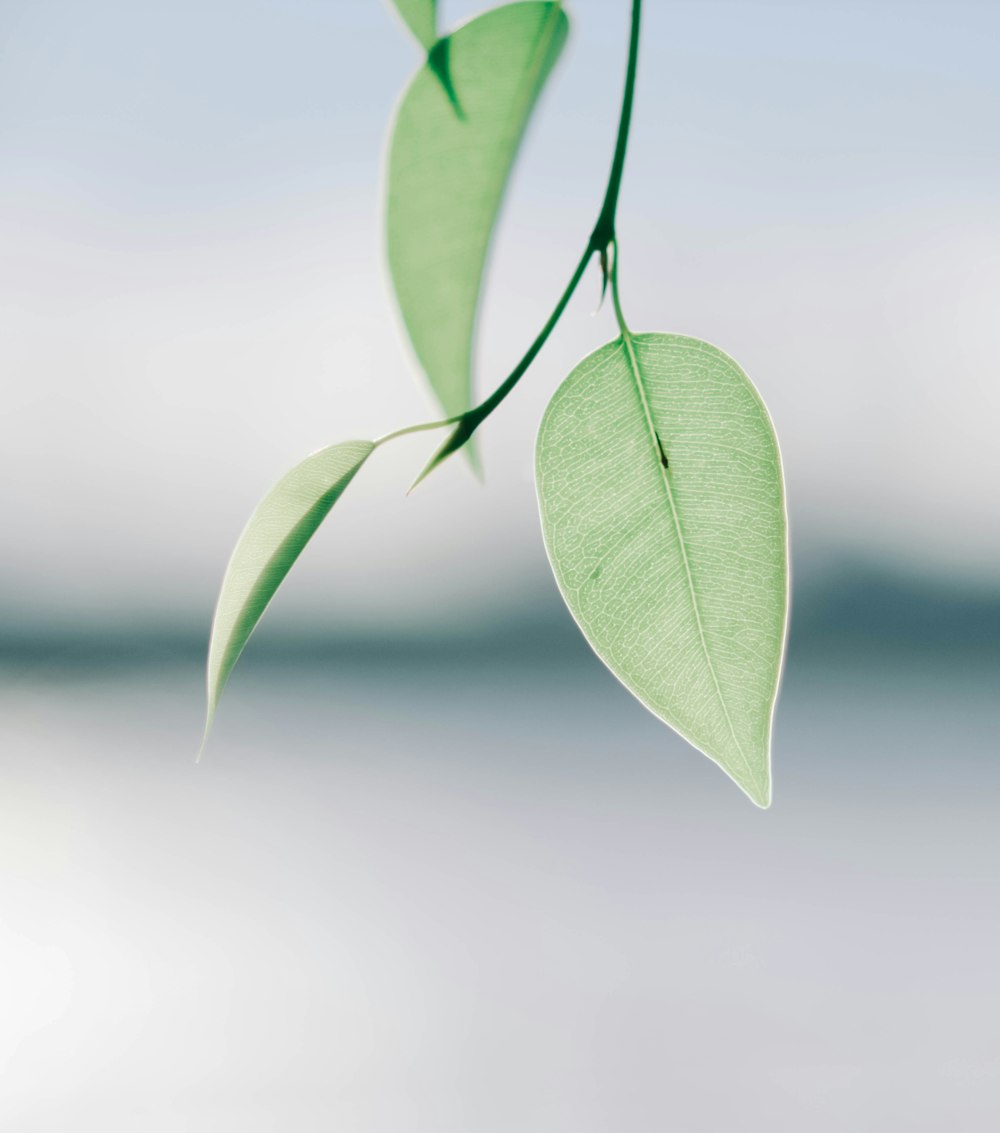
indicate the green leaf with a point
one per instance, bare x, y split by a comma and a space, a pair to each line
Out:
662, 504
457, 132
280, 527
421, 18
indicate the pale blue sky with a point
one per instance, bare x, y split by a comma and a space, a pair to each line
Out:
192, 296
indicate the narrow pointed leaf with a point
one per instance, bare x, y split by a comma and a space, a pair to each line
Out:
282, 524
662, 505
455, 138
421, 18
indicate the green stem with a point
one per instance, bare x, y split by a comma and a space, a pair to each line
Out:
604, 230
602, 238
616, 297
470, 421
423, 428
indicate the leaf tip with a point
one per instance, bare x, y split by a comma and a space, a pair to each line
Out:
428, 468
475, 461
757, 788
439, 63
209, 720
452, 445
761, 798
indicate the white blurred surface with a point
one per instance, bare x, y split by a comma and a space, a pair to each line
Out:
401, 897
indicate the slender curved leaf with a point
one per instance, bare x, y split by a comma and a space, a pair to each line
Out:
456, 134
421, 19
662, 504
282, 524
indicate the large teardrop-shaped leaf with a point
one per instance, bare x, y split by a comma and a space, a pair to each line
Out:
282, 524
421, 19
456, 135
663, 512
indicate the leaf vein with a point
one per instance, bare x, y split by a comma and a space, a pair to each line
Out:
636, 371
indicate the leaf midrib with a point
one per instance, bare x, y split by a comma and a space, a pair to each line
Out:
529, 93
636, 371
545, 34
520, 112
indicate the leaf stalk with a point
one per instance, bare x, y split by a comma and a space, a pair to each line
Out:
616, 298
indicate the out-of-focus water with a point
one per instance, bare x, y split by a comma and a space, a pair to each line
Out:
463, 888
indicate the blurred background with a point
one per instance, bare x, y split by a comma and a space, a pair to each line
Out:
438, 871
